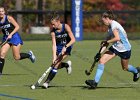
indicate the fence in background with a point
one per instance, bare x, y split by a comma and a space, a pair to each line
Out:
91, 25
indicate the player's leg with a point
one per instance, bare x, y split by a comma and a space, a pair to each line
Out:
66, 65
3, 52
58, 65
19, 56
130, 68
108, 55
53, 72
125, 56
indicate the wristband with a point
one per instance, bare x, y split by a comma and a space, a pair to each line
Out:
65, 46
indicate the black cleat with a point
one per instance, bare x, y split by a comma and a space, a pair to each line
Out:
136, 75
138, 68
91, 83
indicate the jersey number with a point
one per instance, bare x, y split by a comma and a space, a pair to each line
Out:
6, 32
63, 41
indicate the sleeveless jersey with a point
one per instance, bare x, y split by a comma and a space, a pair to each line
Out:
122, 45
6, 26
62, 38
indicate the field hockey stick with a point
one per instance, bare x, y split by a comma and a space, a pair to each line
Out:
45, 73
3, 43
94, 63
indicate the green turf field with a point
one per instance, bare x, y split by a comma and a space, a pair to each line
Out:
115, 84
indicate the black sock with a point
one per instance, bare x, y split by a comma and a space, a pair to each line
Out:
51, 75
63, 64
2, 61
24, 55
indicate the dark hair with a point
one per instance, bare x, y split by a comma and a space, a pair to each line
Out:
108, 14
55, 16
5, 9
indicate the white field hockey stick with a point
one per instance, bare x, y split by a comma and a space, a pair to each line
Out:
42, 77
45, 73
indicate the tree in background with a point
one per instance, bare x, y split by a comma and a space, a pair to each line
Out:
91, 21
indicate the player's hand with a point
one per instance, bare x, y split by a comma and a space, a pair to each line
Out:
9, 37
97, 57
104, 43
54, 59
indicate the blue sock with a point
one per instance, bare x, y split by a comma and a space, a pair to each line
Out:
132, 69
99, 72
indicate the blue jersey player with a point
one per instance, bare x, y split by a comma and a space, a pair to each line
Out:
9, 29
62, 41
120, 47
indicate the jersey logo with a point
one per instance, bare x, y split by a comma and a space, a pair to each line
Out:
6, 26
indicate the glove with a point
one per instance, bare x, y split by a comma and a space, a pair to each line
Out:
104, 43
97, 57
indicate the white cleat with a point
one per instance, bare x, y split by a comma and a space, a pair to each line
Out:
69, 69
45, 85
32, 56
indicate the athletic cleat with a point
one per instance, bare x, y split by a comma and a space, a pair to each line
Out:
69, 69
91, 83
45, 85
138, 68
32, 56
136, 75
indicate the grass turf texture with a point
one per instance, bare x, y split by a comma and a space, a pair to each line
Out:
115, 83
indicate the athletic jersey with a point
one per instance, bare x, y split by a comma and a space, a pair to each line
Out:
122, 45
6, 26
62, 38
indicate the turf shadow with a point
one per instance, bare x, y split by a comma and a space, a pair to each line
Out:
13, 74
114, 87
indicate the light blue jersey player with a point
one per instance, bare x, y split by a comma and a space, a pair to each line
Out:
62, 41
123, 44
9, 29
120, 47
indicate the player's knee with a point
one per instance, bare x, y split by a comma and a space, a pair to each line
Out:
125, 69
2, 54
101, 61
16, 57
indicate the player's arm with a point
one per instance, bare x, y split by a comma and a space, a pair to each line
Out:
104, 43
53, 45
68, 29
115, 38
111, 40
12, 20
